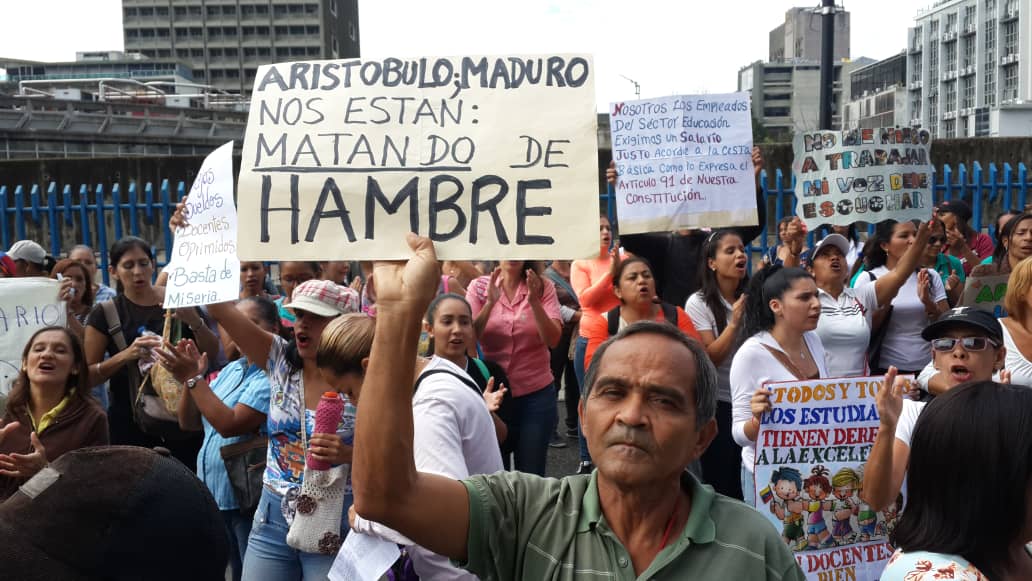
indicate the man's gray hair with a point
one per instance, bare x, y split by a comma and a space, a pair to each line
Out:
705, 373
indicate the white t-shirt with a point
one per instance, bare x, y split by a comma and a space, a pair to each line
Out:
903, 345
1019, 367
754, 366
845, 329
454, 436
908, 419
703, 318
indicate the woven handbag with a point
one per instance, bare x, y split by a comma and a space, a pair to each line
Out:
320, 507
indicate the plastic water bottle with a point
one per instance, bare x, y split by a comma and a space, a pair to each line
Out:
327, 417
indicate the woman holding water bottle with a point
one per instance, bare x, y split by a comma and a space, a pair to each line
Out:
296, 386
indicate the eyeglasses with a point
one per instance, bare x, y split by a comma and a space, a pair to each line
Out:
946, 344
936, 240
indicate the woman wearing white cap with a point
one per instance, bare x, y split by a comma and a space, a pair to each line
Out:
29, 258
846, 313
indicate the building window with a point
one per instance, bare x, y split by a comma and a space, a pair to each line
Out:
195, 10
776, 112
969, 16
311, 9
229, 10
298, 51
183, 53
969, 52
164, 53
147, 32
162, 32
130, 12
232, 73
313, 51
279, 10
915, 69
215, 52
264, 51
951, 23
951, 56
161, 10
333, 7
297, 30
933, 62
950, 104
179, 11
182, 32
915, 105
197, 53
132, 33
949, 128
933, 29
311, 30
969, 93
246, 10
1010, 37
989, 86
213, 11
282, 52
296, 9
1010, 82
229, 31
147, 11
990, 37
261, 9
214, 74
250, 51
281, 30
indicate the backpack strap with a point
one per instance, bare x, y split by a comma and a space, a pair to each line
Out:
469, 383
114, 324
669, 313
483, 368
613, 319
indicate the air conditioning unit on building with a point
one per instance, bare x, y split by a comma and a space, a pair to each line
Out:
949, 36
949, 75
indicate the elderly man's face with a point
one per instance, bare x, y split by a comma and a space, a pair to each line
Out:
639, 420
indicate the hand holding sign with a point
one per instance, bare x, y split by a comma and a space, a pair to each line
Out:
411, 284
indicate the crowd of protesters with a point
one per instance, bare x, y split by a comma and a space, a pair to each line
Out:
661, 346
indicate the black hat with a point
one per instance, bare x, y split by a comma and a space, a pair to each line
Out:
960, 208
964, 316
118, 512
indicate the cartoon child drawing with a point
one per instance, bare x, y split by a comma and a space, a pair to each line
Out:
788, 506
891, 514
846, 482
818, 488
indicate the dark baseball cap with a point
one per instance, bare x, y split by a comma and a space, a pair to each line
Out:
964, 317
959, 208
117, 512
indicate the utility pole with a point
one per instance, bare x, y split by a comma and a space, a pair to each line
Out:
827, 64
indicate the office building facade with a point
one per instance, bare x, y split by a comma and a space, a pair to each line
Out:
877, 95
969, 70
225, 41
799, 36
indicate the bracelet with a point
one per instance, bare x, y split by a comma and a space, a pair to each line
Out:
97, 369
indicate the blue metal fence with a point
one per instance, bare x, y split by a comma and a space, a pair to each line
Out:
989, 192
62, 216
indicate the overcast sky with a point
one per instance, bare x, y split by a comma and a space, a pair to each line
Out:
668, 46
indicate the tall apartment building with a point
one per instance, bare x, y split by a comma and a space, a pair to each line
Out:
786, 96
799, 36
225, 41
970, 68
878, 95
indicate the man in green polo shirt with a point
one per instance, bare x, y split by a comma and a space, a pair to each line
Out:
647, 413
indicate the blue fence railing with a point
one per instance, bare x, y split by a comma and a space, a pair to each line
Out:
989, 191
61, 216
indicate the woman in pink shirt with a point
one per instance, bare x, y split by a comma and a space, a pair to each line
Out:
592, 280
517, 321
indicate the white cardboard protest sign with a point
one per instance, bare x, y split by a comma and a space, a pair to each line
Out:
26, 305
489, 156
683, 162
811, 452
868, 175
204, 268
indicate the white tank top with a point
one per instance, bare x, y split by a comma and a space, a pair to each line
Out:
1019, 367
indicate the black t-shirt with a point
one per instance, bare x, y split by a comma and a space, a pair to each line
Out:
135, 319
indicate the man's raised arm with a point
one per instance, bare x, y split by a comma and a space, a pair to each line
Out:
431, 510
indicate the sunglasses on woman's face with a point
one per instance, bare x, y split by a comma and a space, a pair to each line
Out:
933, 240
946, 344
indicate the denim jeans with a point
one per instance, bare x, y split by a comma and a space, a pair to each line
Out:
578, 367
748, 487
270, 558
531, 423
238, 529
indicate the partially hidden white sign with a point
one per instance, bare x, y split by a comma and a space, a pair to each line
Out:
204, 268
683, 162
26, 306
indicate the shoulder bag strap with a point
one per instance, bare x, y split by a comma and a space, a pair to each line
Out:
114, 324
483, 368
464, 380
784, 360
613, 320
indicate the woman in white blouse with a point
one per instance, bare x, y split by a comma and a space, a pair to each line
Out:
846, 313
782, 311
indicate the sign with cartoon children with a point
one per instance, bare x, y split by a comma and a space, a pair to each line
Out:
810, 457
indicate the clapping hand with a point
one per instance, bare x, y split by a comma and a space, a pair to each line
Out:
493, 398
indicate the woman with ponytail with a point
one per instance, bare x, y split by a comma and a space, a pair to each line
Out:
779, 344
716, 310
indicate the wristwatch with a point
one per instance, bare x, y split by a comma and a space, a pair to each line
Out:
190, 383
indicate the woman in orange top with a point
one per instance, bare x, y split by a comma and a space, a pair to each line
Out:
635, 289
592, 280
